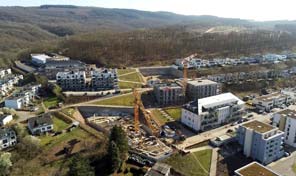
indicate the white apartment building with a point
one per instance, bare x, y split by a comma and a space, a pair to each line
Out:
8, 82
273, 100
104, 79
286, 121
211, 112
22, 98
72, 81
201, 88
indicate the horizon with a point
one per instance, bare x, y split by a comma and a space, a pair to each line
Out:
263, 11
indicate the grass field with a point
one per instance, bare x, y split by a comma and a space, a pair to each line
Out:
193, 164
69, 111
123, 100
51, 102
294, 168
125, 71
159, 117
135, 77
175, 113
127, 85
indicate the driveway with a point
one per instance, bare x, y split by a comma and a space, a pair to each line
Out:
284, 165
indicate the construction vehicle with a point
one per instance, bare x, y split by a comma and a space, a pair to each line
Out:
139, 107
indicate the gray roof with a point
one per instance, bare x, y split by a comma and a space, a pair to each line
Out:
5, 132
63, 63
40, 121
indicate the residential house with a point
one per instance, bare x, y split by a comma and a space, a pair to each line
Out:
7, 138
40, 125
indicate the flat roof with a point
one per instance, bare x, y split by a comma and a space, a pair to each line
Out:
255, 169
288, 113
200, 82
271, 96
217, 100
259, 126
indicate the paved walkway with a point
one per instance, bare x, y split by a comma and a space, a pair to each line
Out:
213, 170
214, 133
284, 166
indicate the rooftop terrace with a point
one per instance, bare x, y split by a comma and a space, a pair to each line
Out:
288, 113
255, 169
258, 126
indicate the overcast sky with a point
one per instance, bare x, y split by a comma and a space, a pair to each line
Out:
246, 9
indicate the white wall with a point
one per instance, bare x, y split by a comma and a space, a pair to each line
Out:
248, 142
6, 120
190, 119
292, 131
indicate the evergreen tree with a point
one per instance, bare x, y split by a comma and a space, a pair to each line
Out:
119, 137
80, 166
114, 157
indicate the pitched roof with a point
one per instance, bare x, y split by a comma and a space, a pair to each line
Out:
40, 121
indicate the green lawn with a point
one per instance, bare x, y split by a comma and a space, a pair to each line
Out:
127, 85
125, 71
175, 113
51, 102
193, 164
135, 77
59, 124
294, 168
123, 100
69, 111
159, 117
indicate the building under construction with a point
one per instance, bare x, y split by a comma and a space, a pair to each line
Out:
141, 142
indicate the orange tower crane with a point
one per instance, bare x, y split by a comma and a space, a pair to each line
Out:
138, 106
136, 110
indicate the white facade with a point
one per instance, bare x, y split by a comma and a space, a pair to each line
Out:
5, 119
270, 101
39, 125
286, 121
7, 138
5, 72
212, 111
